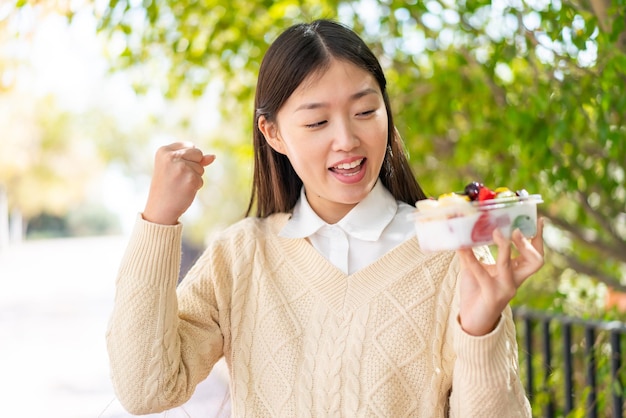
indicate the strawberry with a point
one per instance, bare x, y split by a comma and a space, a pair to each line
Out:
485, 193
483, 228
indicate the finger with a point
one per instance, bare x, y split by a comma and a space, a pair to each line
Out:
537, 240
504, 249
474, 266
189, 154
179, 145
503, 261
529, 260
198, 167
207, 159
524, 246
465, 255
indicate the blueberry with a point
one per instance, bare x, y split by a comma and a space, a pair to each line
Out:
472, 189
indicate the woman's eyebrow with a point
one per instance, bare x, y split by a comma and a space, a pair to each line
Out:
363, 92
355, 96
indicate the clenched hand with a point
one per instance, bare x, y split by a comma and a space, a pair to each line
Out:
178, 170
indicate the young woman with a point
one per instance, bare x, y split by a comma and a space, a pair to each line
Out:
323, 303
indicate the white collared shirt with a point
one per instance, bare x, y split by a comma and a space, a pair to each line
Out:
373, 227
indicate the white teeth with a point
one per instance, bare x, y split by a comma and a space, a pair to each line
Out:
347, 166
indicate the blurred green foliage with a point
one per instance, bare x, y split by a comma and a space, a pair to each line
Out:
80, 221
519, 93
524, 94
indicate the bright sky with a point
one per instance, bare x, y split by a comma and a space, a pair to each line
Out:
68, 62
52, 303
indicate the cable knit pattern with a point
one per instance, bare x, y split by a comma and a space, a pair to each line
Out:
352, 367
301, 338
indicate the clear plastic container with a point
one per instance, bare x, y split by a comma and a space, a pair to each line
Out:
454, 227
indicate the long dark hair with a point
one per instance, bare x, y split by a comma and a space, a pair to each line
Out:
299, 51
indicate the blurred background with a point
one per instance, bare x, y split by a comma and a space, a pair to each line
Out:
527, 94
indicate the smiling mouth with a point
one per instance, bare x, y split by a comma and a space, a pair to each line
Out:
348, 169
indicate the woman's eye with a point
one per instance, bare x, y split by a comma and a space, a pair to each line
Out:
315, 125
366, 113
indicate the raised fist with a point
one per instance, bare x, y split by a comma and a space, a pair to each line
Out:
178, 170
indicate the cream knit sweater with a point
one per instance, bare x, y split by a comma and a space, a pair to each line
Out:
301, 338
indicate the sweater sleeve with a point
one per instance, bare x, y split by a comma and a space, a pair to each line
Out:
156, 355
486, 381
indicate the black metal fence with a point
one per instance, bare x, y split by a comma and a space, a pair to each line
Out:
572, 367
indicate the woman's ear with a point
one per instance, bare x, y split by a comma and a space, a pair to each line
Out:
270, 132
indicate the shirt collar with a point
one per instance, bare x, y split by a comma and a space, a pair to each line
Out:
303, 222
366, 221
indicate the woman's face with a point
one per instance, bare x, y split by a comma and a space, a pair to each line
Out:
333, 129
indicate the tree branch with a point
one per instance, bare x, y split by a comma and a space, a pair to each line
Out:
617, 252
603, 222
592, 271
498, 93
598, 7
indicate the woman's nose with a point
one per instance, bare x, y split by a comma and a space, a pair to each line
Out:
345, 137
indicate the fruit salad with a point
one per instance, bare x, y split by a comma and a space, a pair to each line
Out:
468, 218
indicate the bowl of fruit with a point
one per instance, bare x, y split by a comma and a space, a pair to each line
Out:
468, 218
